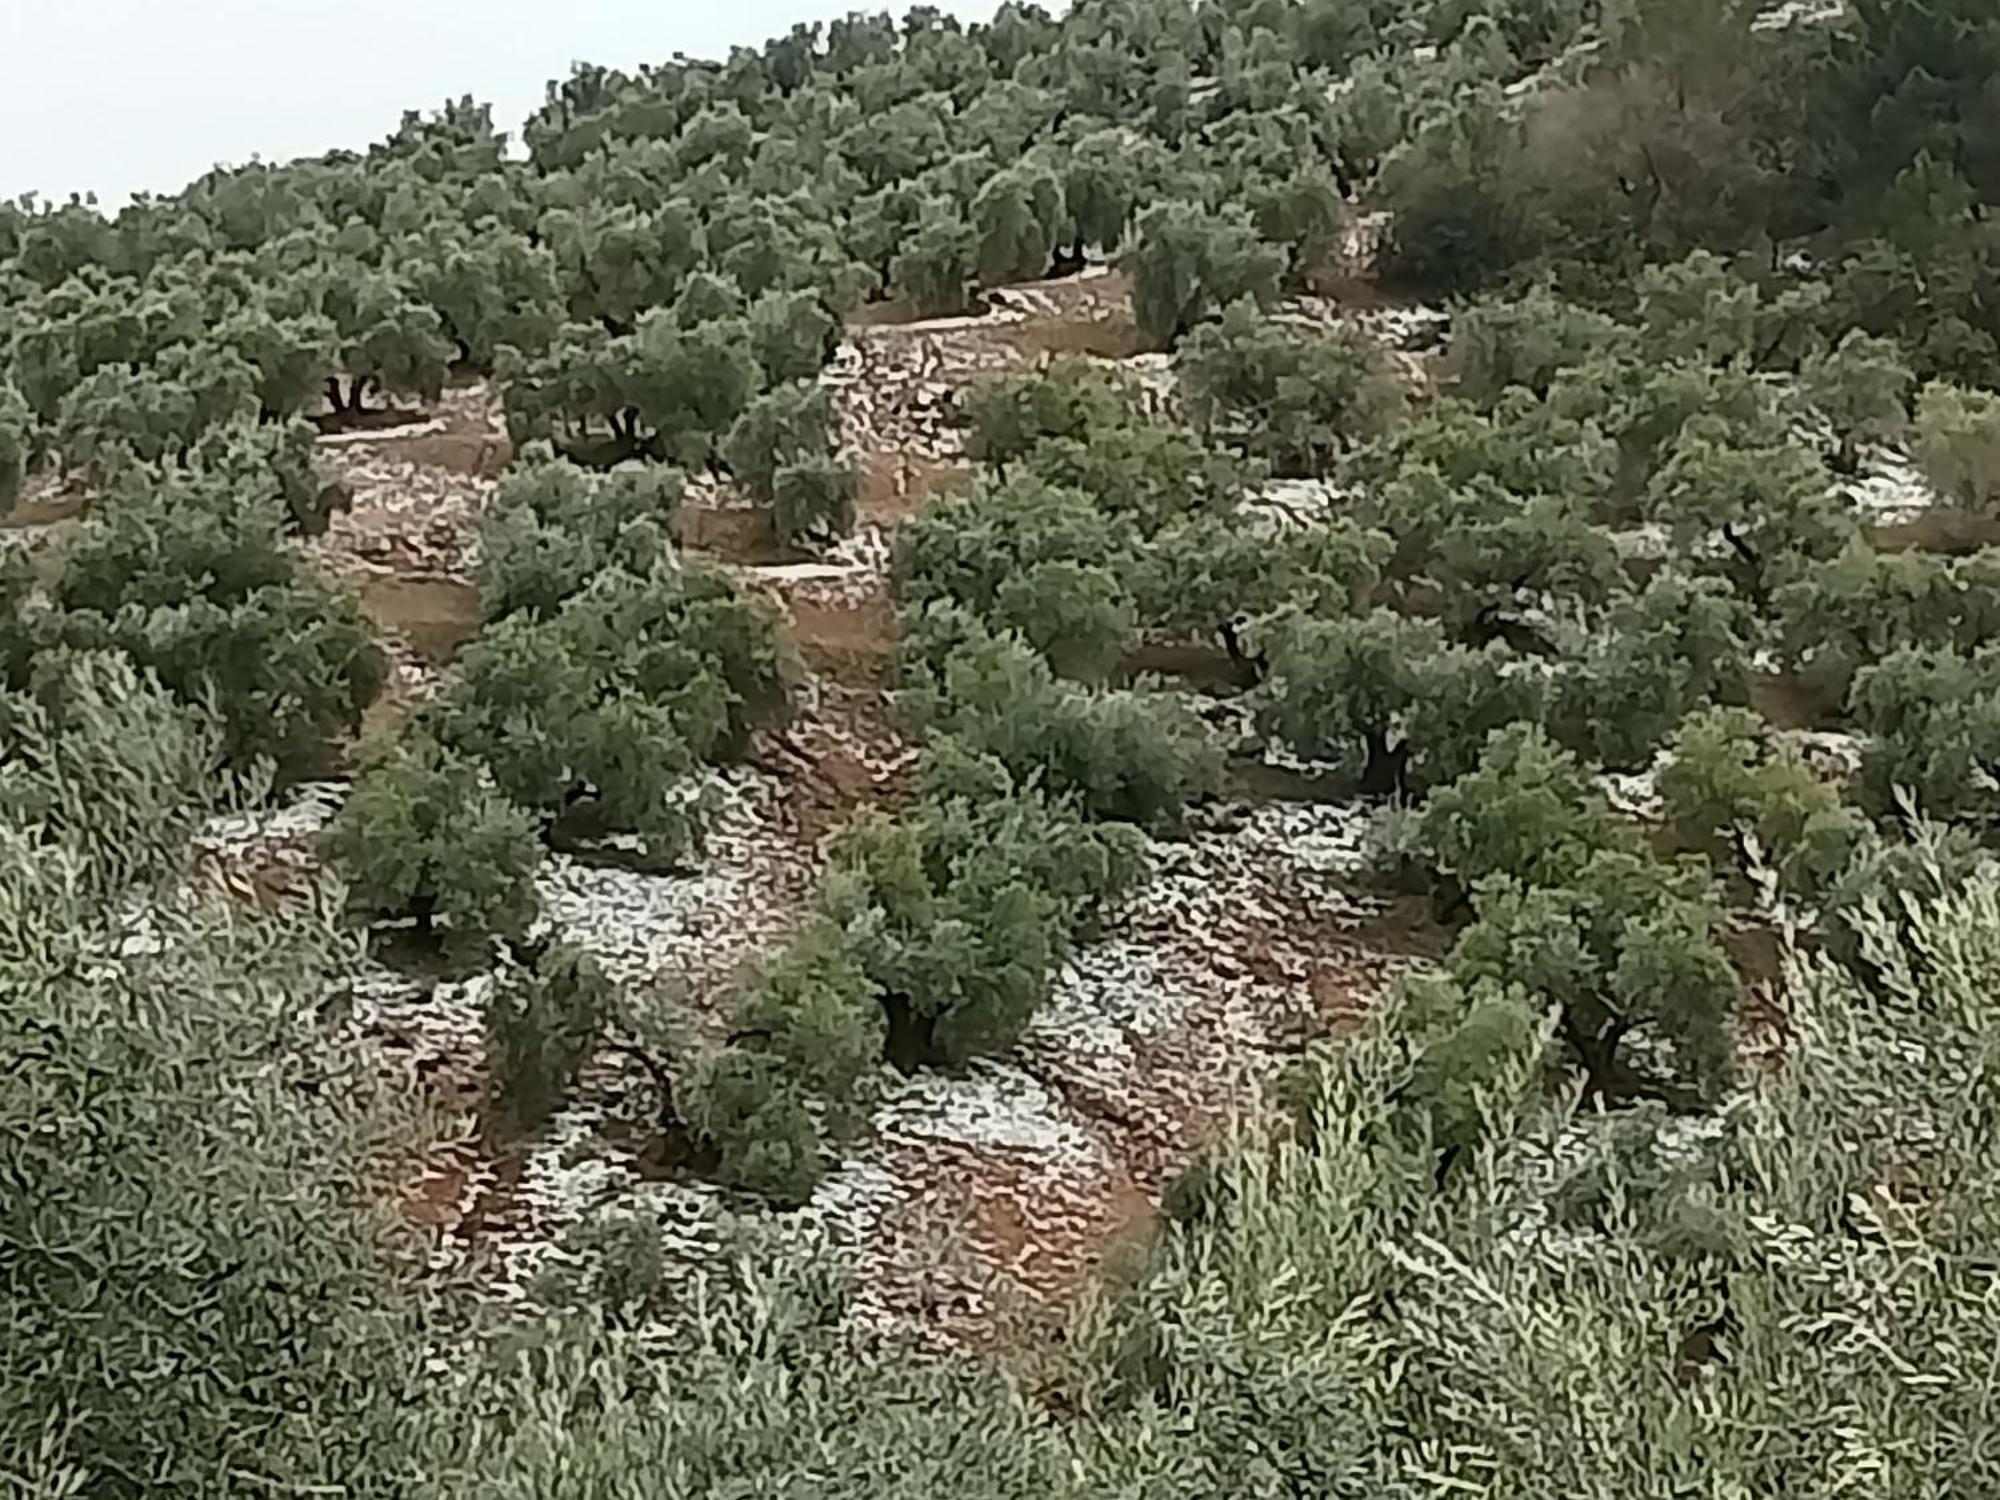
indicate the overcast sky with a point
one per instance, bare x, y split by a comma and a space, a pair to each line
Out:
124, 96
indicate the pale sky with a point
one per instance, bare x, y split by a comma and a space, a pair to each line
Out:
124, 96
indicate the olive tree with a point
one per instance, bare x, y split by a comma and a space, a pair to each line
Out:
16, 441
1957, 443
425, 835
206, 1290
203, 592
1932, 715
1862, 387
552, 526
1297, 403
543, 1019
1187, 262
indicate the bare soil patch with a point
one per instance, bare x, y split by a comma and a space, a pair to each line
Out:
730, 533
895, 486
1945, 529
435, 615
1194, 663
851, 644
44, 505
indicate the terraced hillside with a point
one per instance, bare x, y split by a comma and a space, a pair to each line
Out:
1211, 747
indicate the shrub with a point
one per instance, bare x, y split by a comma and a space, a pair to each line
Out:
552, 526
1121, 755
96, 756
1187, 262
813, 498
1386, 696
1008, 417
543, 1021
816, 1011
425, 834
600, 716
1933, 720
1297, 403
1958, 443
206, 596
752, 1111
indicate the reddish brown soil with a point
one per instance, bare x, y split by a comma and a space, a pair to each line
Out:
895, 486
729, 533
852, 644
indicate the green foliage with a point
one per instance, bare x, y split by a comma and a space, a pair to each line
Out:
1385, 696
1211, 573
1861, 386
599, 716
1699, 309
1474, 1064
1728, 780
753, 1112
1296, 403
813, 497
1017, 216
961, 910
552, 526
1121, 755
203, 593
1574, 910
200, 1297
1151, 472
1675, 645
1005, 552
119, 414
1187, 263
423, 834
1010, 417
1932, 717
1441, 1277
492, 290
1493, 555
1958, 444
815, 1010
1855, 608
98, 759
934, 266
1599, 1312
791, 334
1524, 445
1529, 811
1772, 508
543, 1021
1498, 343
16, 441
383, 336
1453, 225
683, 388
779, 451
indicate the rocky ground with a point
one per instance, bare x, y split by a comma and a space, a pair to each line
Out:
971, 1203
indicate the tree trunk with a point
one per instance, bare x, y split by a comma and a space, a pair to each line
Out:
1752, 568
1597, 1049
333, 395
1387, 770
358, 394
669, 1113
912, 1038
